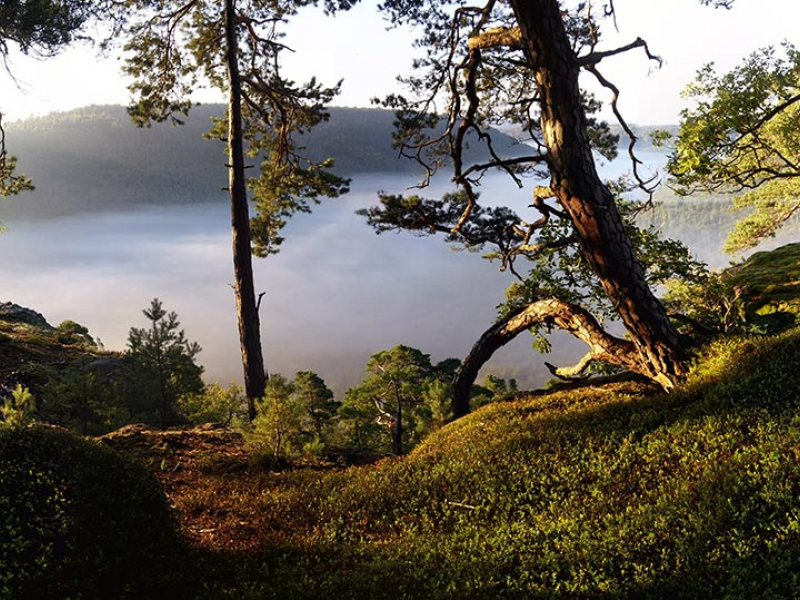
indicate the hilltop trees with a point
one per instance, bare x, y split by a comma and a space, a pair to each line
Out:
174, 45
519, 62
741, 136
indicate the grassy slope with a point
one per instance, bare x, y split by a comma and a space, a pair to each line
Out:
610, 492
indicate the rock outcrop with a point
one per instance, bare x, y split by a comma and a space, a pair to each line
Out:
14, 312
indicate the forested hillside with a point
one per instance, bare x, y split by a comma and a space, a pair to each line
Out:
95, 158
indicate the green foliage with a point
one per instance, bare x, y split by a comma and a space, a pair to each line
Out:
214, 404
162, 365
87, 401
17, 409
740, 135
294, 418
279, 418
768, 208
320, 405
400, 400
494, 389
756, 296
42, 27
11, 183
80, 521
171, 47
71, 332
715, 302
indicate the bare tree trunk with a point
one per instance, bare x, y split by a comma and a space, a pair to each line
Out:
255, 377
583, 195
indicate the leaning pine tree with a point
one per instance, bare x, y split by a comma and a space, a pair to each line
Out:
172, 45
519, 62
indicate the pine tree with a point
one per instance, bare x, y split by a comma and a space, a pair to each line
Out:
163, 362
519, 63
172, 45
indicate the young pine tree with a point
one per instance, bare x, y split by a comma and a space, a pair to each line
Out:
163, 363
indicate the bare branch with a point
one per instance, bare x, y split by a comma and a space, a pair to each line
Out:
647, 185
576, 371
467, 123
610, 11
774, 111
506, 164
594, 58
571, 318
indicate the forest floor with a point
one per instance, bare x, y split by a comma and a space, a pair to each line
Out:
191, 463
215, 481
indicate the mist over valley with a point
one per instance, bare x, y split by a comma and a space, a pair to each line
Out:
121, 215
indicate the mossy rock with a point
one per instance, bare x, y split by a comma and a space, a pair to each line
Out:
771, 281
81, 521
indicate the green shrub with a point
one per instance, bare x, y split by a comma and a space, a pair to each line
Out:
16, 411
70, 332
80, 521
214, 404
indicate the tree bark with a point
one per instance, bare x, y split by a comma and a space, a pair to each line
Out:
551, 311
255, 376
585, 198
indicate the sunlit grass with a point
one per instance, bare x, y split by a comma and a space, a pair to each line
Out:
599, 492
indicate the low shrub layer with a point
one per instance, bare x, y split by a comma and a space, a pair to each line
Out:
615, 492
80, 521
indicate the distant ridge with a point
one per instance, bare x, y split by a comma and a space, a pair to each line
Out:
94, 158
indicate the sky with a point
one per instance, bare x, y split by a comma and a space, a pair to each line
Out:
357, 47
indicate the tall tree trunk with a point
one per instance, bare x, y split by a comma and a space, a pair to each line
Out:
255, 376
585, 197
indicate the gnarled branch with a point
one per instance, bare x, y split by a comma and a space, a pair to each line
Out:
594, 58
571, 318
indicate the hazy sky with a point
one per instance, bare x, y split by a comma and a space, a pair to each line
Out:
357, 47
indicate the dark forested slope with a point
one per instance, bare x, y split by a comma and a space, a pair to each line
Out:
95, 158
